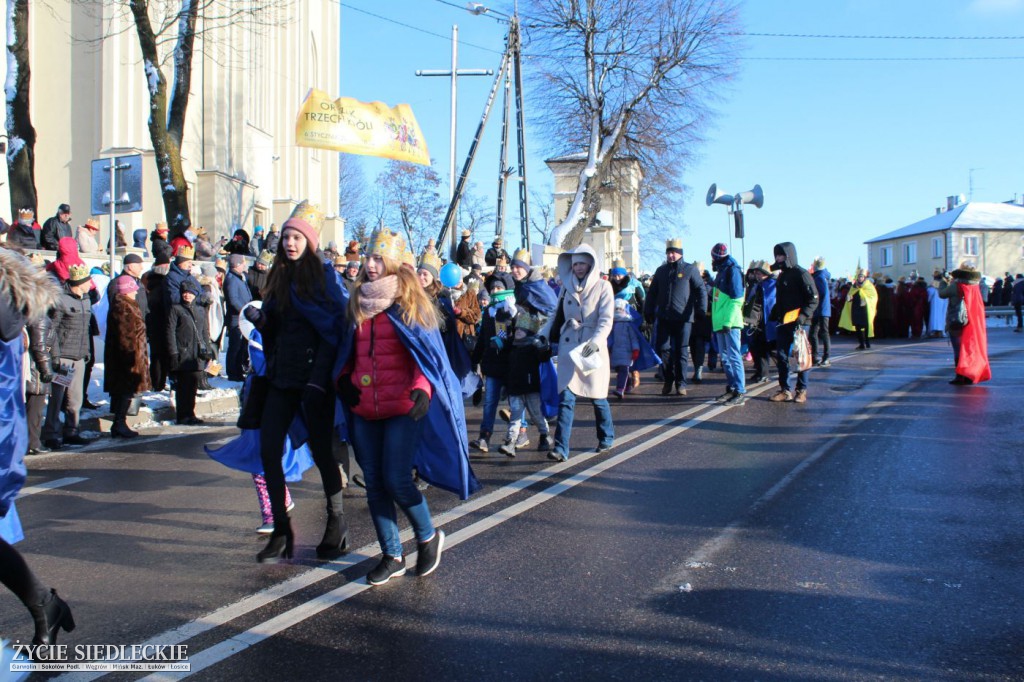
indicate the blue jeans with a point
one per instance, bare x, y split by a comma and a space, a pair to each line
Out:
519, 405
784, 344
732, 358
492, 394
385, 449
566, 411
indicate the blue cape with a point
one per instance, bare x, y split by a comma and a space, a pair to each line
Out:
538, 295
648, 356
243, 452
13, 427
442, 455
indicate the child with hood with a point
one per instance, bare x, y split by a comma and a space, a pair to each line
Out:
529, 349
625, 347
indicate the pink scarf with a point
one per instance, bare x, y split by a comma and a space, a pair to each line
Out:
376, 297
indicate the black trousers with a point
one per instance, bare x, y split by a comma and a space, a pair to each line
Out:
185, 394
278, 412
760, 351
35, 410
18, 577
158, 363
237, 355
819, 337
673, 345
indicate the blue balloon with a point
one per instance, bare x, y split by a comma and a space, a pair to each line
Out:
451, 275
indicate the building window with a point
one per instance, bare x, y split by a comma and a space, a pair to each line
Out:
885, 254
936, 247
910, 253
970, 246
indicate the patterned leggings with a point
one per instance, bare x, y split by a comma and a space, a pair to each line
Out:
264, 497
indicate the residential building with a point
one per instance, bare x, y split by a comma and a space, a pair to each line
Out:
991, 235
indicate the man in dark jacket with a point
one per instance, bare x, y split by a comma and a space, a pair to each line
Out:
1017, 299
158, 303
158, 242
464, 252
796, 299
675, 299
820, 321
73, 313
236, 295
256, 278
23, 233
56, 227
496, 252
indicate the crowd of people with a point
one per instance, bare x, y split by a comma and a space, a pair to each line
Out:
378, 349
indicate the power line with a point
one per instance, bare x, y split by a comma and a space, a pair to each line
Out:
879, 59
446, 38
868, 37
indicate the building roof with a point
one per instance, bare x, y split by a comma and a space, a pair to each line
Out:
974, 215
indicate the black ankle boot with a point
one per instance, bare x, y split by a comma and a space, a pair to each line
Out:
122, 430
335, 541
280, 546
50, 615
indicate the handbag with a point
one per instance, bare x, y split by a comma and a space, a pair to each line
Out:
134, 406
204, 350
800, 353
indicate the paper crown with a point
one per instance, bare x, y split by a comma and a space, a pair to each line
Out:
388, 244
161, 227
467, 233
25, 213
37, 259
408, 259
431, 261
819, 262
309, 213
93, 223
861, 272
530, 323
523, 256
341, 260
186, 252
78, 274
266, 257
674, 244
618, 263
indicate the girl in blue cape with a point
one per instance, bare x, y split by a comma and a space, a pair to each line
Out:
26, 293
301, 322
403, 405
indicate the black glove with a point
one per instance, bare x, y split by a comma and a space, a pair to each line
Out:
173, 366
540, 342
496, 343
420, 404
45, 377
347, 391
254, 315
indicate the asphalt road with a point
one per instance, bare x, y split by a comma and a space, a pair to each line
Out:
876, 532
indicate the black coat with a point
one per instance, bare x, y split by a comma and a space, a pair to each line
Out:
493, 361
73, 335
677, 293
464, 254
296, 353
53, 230
524, 362
23, 235
186, 326
795, 287
42, 337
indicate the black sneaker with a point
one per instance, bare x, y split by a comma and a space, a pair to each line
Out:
546, 443
388, 568
76, 439
557, 456
825, 363
725, 396
736, 400
428, 554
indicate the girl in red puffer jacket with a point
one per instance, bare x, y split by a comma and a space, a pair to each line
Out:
389, 395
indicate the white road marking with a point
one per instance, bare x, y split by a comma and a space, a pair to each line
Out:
49, 485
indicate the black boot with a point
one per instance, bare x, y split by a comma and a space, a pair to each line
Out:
698, 375
281, 544
50, 615
335, 541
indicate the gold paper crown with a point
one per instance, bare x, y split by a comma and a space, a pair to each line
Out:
819, 262
674, 244
384, 242
408, 259
430, 260
26, 212
309, 213
618, 263
341, 260
93, 223
522, 255
266, 257
187, 252
161, 227
37, 259
860, 272
78, 273
530, 323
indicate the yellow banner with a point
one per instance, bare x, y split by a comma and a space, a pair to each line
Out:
348, 125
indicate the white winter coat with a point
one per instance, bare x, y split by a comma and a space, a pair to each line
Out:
589, 310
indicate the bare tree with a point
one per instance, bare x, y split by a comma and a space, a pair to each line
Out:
354, 200
21, 134
412, 196
542, 219
627, 78
475, 210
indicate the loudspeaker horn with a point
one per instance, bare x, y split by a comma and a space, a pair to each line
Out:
754, 196
716, 196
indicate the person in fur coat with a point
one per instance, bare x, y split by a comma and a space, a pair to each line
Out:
126, 365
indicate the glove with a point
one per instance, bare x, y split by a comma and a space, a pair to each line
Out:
496, 343
589, 348
254, 315
420, 404
636, 354
540, 342
45, 377
347, 391
174, 363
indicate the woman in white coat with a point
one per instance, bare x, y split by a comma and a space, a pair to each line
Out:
582, 323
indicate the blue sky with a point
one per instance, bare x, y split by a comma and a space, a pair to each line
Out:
845, 150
